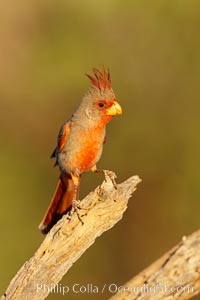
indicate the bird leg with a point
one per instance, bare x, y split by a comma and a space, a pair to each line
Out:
75, 201
108, 175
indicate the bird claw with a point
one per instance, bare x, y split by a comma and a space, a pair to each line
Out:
75, 209
110, 175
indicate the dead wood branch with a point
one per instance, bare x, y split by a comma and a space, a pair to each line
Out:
176, 275
68, 240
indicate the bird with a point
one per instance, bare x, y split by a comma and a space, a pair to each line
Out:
80, 143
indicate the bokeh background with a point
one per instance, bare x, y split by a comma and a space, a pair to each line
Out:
152, 49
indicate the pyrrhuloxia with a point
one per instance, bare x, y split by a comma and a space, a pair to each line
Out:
80, 143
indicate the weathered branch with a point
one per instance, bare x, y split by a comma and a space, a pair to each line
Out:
176, 275
68, 240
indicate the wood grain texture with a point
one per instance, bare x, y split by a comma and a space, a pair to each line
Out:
176, 275
68, 240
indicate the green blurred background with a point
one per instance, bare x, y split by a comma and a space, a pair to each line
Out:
152, 49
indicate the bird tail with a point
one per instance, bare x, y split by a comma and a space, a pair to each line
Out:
61, 203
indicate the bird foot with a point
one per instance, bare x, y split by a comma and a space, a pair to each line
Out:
75, 209
109, 175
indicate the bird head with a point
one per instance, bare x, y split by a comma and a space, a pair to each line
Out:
104, 100
99, 103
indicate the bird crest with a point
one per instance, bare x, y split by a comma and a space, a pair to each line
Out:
100, 80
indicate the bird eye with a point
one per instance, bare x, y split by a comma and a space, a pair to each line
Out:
101, 104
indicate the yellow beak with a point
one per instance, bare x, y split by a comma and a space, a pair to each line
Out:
114, 110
